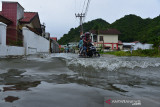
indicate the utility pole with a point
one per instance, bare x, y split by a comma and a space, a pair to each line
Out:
80, 16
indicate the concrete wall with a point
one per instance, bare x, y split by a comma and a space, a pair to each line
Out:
20, 12
8, 50
34, 43
11, 50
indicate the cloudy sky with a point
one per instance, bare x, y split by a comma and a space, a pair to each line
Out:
59, 15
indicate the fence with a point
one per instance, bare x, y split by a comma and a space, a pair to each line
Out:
14, 37
33, 43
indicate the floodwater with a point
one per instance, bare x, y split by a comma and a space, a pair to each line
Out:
65, 80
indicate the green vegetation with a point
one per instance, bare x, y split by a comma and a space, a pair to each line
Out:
15, 43
132, 27
144, 53
74, 33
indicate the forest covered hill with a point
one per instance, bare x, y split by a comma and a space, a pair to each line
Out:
132, 27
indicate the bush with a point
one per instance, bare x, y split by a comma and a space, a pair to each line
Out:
139, 52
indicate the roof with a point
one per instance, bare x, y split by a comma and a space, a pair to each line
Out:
33, 30
120, 42
5, 18
54, 38
94, 31
110, 31
28, 17
128, 44
135, 42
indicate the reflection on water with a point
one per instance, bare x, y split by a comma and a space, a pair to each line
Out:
14, 78
21, 86
11, 99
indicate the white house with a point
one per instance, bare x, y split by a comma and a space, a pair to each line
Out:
108, 39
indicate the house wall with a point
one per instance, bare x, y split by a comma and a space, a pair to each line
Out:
9, 10
20, 12
109, 38
109, 41
8, 50
2, 33
11, 50
34, 43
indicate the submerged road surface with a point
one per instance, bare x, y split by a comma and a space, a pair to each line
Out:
65, 80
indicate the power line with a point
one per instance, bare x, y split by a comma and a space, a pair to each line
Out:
84, 5
87, 7
82, 15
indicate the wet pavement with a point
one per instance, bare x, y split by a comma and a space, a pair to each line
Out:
65, 80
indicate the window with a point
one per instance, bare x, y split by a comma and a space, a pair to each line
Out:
101, 38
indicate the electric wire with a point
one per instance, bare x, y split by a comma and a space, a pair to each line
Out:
86, 11
84, 6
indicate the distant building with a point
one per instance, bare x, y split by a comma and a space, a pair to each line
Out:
120, 45
128, 46
108, 39
47, 35
54, 38
73, 44
142, 46
54, 46
136, 45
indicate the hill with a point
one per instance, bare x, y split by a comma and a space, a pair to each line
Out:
74, 33
132, 27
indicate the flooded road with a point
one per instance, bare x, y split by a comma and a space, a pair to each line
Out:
65, 80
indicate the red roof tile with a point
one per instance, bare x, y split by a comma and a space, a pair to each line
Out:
54, 38
120, 42
28, 16
1, 15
